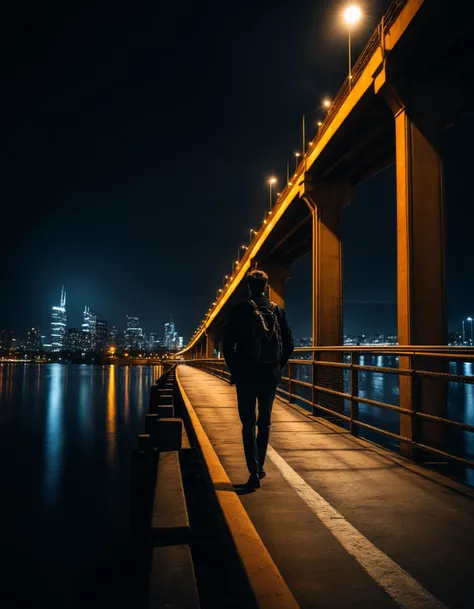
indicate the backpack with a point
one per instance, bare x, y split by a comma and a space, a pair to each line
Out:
265, 337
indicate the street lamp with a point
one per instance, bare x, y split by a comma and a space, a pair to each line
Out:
352, 16
252, 231
325, 104
271, 181
297, 156
470, 320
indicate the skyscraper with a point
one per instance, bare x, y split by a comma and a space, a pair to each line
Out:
75, 338
58, 324
6, 341
101, 335
169, 335
33, 342
133, 333
89, 328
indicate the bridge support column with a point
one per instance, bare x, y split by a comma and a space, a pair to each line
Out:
210, 343
325, 202
421, 276
276, 283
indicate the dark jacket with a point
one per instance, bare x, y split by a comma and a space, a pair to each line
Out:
239, 320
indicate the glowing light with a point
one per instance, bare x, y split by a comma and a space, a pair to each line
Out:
352, 14
326, 103
272, 180
319, 123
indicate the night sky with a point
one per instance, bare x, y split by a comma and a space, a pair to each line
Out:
136, 144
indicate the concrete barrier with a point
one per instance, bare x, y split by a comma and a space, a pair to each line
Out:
165, 412
170, 521
169, 434
172, 580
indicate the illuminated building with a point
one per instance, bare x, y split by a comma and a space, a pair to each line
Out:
89, 329
113, 336
58, 324
169, 335
6, 341
33, 342
133, 334
101, 335
75, 338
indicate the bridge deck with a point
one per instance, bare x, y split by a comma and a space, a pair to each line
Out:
347, 523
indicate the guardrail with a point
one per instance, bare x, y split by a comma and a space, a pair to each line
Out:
381, 392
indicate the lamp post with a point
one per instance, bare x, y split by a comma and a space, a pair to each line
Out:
463, 332
352, 16
271, 181
297, 156
325, 104
469, 319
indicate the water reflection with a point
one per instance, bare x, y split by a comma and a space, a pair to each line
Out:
111, 417
140, 387
84, 402
54, 435
126, 398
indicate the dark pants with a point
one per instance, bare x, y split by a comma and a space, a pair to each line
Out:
248, 392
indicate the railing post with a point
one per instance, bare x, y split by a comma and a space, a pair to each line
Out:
354, 428
313, 382
289, 384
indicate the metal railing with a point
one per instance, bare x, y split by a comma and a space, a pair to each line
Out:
419, 400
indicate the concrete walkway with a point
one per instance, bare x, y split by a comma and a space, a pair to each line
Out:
348, 524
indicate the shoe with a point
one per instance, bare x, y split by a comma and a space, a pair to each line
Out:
253, 482
262, 473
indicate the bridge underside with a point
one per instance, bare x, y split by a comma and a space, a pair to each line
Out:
419, 82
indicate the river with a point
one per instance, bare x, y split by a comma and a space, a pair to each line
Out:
66, 433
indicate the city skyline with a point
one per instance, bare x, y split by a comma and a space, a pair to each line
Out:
78, 321
91, 335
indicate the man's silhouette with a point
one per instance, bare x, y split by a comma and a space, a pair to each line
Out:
257, 345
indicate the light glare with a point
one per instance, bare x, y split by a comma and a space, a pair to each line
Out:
352, 14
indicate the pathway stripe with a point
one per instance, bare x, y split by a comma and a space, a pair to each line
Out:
396, 582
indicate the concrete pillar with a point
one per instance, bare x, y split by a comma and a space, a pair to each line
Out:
210, 342
421, 274
276, 283
421, 110
325, 202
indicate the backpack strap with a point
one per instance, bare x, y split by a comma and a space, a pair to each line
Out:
256, 309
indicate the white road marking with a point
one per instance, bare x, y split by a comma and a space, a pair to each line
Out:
396, 582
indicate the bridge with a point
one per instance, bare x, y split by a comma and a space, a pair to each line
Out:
367, 499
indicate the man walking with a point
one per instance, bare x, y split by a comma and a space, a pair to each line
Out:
257, 345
